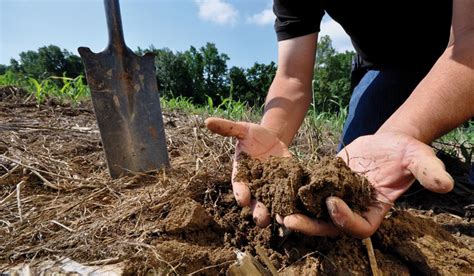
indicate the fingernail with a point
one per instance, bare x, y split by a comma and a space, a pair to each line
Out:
332, 206
450, 177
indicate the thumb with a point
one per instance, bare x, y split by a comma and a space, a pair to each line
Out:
226, 127
430, 171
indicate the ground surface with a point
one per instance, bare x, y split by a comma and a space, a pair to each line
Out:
56, 201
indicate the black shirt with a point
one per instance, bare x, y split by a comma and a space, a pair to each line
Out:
385, 33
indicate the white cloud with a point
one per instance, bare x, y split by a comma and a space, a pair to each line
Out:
217, 11
340, 40
262, 18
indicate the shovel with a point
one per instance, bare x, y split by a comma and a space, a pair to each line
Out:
126, 102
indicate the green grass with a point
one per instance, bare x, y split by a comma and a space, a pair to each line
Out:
227, 108
64, 89
458, 142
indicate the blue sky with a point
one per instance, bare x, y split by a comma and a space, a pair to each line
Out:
243, 29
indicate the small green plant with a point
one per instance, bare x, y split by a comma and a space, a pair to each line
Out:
13, 79
73, 89
42, 90
63, 88
178, 103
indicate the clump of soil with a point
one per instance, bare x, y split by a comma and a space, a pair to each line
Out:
286, 187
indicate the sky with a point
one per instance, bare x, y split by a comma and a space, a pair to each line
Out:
242, 29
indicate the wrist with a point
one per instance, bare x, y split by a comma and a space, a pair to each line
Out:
408, 129
277, 129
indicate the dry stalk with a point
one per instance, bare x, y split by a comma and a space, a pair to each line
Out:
63, 226
372, 260
266, 260
157, 256
211, 266
45, 181
6, 175
43, 171
18, 199
104, 261
7, 197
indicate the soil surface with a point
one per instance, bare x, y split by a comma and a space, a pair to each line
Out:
57, 201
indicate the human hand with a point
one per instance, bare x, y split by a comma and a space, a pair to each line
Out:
259, 143
390, 161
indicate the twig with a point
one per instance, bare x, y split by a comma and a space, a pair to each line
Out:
9, 172
18, 200
309, 254
40, 128
266, 260
7, 223
209, 267
63, 226
43, 171
45, 181
157, 256
370, 251
7, 197
104, 261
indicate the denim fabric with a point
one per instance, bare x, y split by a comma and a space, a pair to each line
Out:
375, 98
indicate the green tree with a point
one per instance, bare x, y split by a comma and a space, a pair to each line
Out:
208, 71
74, 66
331, 77
194, 62
240, 87
172, 74
3, 69
29, 64
48, 61
214, 72
260, 77
14, 65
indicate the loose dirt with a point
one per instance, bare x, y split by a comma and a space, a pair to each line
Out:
287, 187
57, 201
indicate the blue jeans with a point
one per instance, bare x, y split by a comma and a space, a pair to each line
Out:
375, 98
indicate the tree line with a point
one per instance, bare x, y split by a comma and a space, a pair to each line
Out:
202, 73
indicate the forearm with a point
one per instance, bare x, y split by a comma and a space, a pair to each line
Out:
290, 93
286, 106
443, 100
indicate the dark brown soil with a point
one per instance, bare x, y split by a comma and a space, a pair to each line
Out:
428, 247
287, 187
57, 200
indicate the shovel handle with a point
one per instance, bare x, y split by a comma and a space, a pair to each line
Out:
114, 24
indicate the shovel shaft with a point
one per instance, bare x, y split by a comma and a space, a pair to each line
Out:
114, 24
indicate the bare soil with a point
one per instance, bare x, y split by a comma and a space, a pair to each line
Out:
57, 200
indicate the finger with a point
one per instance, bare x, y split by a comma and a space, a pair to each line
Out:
309, 226
226, 127
430, 172
260, 213
241, 193
240, 188
354, 224
279, 219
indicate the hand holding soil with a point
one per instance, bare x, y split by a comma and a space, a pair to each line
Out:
259, 143
391, 162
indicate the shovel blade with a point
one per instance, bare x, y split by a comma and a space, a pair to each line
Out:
127, 107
